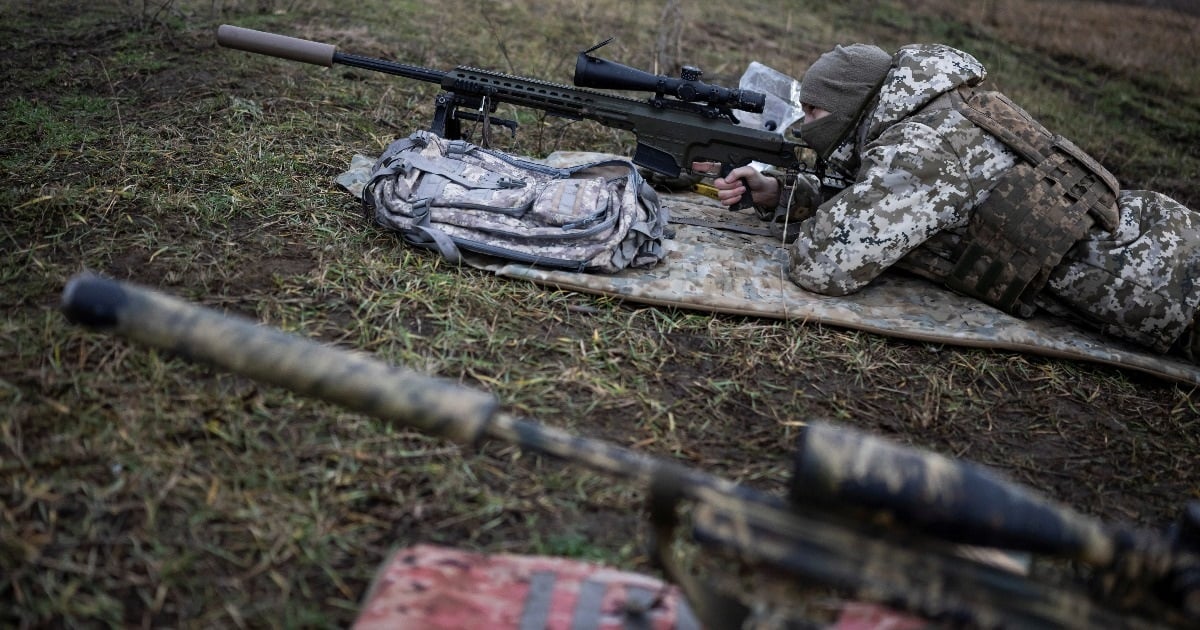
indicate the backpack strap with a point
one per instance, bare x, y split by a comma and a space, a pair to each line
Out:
401, 158
422, 234
454, 170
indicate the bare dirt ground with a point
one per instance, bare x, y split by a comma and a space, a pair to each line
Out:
138, 489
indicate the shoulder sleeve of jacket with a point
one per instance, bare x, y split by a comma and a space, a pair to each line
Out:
911, 185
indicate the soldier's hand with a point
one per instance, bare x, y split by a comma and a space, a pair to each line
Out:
763, 190
730, 189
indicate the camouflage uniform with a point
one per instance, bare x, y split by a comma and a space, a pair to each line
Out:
918, 173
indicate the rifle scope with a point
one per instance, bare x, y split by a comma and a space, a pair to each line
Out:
594, 72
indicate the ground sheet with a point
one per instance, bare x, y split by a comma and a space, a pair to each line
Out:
717, 270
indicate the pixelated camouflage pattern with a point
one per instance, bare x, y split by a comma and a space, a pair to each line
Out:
711, 270
1057, 158
1014, 239
717, 271
1036, 211
1139, 282
920, 174
452, 194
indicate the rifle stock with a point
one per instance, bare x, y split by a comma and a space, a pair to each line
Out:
828, 534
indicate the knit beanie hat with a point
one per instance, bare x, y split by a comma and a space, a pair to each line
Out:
841, 82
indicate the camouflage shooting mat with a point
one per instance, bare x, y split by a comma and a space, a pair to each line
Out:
720, 271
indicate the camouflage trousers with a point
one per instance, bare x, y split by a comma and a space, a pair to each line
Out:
1141, 282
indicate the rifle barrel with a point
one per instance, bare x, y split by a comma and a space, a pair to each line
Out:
438, 407
317, 53
356, 381
390, 67
275, 45
696, 125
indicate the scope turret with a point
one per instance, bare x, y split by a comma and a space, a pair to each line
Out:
594, 72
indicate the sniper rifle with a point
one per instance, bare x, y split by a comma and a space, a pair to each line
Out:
874, 520
685, 120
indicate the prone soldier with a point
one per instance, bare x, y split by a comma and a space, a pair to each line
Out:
957, 184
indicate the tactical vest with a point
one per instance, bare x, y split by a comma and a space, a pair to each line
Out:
1039, 208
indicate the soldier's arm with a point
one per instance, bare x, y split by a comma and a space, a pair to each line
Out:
911, 186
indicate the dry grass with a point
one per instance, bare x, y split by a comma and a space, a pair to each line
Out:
1156, 43
136, 489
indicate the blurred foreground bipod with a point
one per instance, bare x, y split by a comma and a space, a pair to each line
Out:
868, 518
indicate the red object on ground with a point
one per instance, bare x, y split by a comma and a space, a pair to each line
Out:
863, 616
435, 588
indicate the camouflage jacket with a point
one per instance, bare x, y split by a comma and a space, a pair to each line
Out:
920, 171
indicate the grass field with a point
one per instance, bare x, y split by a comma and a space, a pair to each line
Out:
138, 489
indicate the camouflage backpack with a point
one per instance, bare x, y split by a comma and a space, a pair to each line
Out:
453, 196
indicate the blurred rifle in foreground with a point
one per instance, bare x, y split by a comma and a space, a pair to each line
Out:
685, 121
877, 521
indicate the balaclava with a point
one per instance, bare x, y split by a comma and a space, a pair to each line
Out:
841, 81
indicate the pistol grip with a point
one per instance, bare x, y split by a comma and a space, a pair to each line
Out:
746, 201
